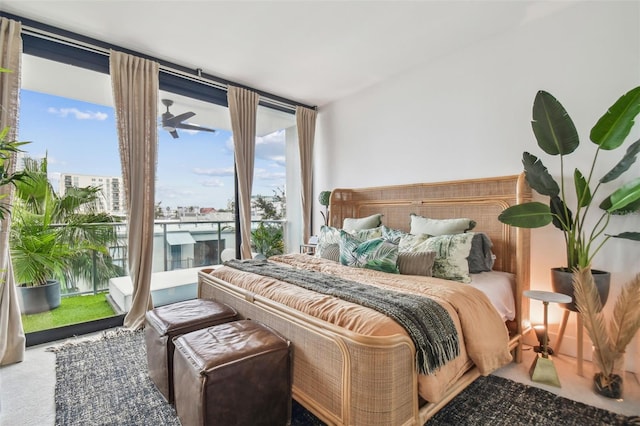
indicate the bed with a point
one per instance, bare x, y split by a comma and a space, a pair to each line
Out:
352, 374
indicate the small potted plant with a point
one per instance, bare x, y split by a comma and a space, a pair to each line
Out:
557, 136
324, 198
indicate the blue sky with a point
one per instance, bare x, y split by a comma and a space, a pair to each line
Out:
194, 170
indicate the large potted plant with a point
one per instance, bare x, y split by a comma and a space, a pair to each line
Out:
50, 234
556, 135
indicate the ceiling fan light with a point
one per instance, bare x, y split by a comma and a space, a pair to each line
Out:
168, 128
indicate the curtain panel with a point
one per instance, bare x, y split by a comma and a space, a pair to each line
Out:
12, 339
135, 91
306, 124
243, 107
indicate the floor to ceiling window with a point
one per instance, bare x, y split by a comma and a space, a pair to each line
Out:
67, 114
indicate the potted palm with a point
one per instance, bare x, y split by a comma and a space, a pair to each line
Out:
609, 342
50, 234
556, 135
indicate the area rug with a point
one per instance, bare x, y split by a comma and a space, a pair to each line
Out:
104, 381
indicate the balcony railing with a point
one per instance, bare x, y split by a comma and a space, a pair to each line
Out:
176, 245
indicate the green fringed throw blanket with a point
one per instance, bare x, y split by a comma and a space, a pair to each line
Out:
427, 323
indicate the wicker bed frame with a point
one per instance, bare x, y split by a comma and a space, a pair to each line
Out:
347, 378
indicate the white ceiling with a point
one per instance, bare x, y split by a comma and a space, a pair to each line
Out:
313, 52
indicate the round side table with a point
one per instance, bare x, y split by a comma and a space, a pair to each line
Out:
542, 370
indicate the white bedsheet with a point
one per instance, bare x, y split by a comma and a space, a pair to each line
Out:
498, 286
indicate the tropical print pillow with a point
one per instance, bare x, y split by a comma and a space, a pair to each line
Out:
413, 243
367, 234
451, 255
391, 234
328, 235
378, 253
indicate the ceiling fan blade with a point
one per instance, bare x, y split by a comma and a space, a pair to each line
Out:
174, 134
193, 127
180, 117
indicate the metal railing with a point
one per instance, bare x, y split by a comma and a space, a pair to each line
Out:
204, 241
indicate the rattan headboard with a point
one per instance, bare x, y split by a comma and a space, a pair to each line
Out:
479, 199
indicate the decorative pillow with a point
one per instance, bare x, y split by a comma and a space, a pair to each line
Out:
416, 263
328, 235
412, 243
481, 257
425, 225
451, 255
391, 234
352, 224
331, 252
367, 234
378, 253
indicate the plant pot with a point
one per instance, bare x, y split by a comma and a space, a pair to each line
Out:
611, 385
41, 298
562, 282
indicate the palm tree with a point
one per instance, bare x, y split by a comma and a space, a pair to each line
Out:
7, 175
58, 237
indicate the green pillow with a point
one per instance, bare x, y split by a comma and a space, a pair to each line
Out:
378, 253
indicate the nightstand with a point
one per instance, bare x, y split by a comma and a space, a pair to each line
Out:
308, 249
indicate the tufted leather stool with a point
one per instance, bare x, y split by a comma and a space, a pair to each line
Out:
236, 373
164, 323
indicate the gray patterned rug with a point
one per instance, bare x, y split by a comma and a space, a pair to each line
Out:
105, 382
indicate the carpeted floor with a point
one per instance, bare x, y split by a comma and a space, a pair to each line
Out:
105, 382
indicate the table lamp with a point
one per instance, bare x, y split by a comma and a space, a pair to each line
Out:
542, 370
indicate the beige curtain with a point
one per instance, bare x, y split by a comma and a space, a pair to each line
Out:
135, 91
12, 340
306, 123
243, 107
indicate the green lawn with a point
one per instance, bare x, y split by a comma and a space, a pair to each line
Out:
72, 310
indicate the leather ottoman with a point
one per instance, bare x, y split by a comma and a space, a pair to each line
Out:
237, 373
164, 323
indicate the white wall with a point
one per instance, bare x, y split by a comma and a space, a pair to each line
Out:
468, 115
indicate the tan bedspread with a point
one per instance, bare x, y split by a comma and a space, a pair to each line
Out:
484, 337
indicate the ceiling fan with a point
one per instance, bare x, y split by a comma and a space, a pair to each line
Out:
171, 122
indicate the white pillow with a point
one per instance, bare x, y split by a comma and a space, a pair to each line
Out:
435, 227
356, 224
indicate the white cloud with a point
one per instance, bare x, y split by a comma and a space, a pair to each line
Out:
77, 114
227, 171
270, 147
212, 183
266, 175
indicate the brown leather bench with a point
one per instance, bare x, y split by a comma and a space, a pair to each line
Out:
165, 323
237, 373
